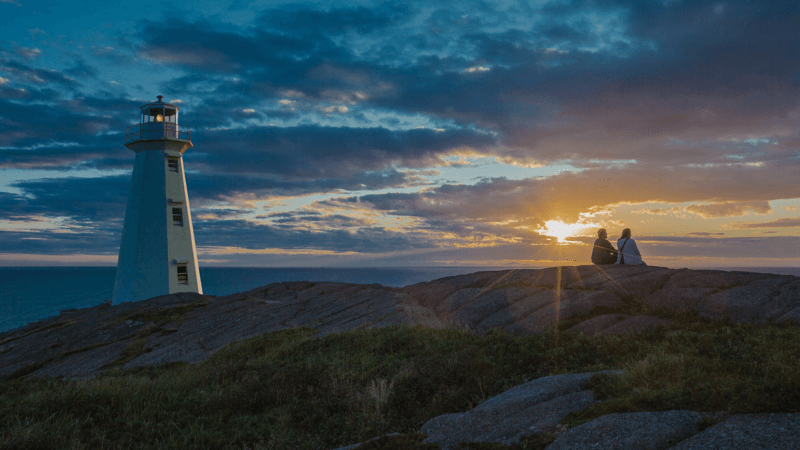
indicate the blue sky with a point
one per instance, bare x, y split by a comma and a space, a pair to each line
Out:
410, 133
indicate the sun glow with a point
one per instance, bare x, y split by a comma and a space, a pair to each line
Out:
561, 230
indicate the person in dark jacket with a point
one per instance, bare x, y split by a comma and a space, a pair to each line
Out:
603, 252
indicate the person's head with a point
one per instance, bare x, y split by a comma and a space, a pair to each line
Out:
601, 233
626, 233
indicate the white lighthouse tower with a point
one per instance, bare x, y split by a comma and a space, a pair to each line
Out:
157, 255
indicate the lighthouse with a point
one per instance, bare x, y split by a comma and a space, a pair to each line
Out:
157, 255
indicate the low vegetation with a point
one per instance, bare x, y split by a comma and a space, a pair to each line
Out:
291, 390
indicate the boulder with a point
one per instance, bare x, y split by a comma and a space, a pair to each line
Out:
640, 431
748, 432
534, 407
791, 317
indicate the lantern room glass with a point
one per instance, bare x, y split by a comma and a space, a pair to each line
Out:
158, 120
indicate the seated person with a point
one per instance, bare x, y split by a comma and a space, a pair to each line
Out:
603, 252
628, 251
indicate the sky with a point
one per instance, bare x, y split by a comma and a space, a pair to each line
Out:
410, 133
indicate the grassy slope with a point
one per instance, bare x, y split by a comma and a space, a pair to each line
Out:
289, 390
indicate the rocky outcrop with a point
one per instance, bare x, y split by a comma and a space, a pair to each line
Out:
538, 407
534, 407
643, 430
748, 432
592, 299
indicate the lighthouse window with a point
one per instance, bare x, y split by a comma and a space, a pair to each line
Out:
183, 275
173, 165
177, 217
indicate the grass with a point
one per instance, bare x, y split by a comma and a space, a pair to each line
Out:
289, 389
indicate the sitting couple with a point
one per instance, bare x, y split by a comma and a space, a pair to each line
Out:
605, 253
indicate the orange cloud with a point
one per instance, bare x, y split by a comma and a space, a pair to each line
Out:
780, 223
729, 209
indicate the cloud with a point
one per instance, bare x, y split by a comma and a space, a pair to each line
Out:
28, 53
779, 223
738, 248
730, 209
317, 152
96, 200
671, 102
35, 76
249, 235
567, 195
562, 88
660, 211
60, 243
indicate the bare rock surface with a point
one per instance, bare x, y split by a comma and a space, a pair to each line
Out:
686, 288
570, 303
488, 303
760, 301
80, 342
534, 407
642, 431
748, 432
190, 327
327, 307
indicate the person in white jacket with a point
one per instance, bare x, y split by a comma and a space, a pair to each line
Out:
628, 251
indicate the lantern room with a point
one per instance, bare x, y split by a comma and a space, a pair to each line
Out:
157, 121
159, 112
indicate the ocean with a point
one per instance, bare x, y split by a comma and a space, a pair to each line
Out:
28, 294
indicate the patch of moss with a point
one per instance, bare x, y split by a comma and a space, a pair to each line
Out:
163, 316
57, 325
386, 316
134, 349
27, 370
595, 312
82, 349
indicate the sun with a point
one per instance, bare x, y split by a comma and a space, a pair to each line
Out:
561, 230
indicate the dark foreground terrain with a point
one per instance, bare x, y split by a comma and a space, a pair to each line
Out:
689, 359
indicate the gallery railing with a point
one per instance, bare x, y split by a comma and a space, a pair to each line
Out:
157, 130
